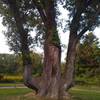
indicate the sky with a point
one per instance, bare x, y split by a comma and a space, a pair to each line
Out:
4, 48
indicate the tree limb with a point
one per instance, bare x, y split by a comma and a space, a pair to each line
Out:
29, 81
41, 10
82, 32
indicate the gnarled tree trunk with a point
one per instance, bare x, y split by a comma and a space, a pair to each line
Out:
27, 63
51, 71
70, 61
52, 55
50, 84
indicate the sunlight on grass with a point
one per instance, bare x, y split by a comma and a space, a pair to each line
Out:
15, 91
11, 85
84, 94
78, 93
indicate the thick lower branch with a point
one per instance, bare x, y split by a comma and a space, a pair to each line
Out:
70, 62
29, 81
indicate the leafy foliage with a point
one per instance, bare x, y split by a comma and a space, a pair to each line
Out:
88, 12
12, 64
30, 18
88, 56
8, 64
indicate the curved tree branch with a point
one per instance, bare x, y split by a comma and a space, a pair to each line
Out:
82, 32
41, 10
27, 63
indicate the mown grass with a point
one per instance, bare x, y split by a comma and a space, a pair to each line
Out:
6, 84
85, 94
14, 94
11, 85
78, 93
14, 91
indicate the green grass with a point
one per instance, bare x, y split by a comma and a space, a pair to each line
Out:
84, 93
11, 84
14, 91
6, 84
78, 93
14, 94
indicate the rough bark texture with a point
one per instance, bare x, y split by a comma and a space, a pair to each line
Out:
48, 84
52, 55
52, 69
72, 45
70, 62
27, 63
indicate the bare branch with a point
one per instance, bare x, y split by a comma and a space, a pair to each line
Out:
82, 32
40, 9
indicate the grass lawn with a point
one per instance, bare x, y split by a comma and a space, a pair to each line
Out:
14, 94
85, 94
6, 84
14, 91
79, 93
11, 84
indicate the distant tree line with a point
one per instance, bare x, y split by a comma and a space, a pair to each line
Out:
11, 64
88, 56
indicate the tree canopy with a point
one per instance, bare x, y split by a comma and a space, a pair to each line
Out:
83, 16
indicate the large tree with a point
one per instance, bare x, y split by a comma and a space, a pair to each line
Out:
84, 15
49, 83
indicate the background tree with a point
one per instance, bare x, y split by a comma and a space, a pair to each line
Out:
18, 14
8, 64
37, 63
88, 56
83, 16
12, 64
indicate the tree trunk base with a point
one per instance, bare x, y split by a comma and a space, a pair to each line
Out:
66, 96
50, 98
33, 96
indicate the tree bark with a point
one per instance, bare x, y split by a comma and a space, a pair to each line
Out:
51, 77
52, 70
27, 63
49, 84
70, 61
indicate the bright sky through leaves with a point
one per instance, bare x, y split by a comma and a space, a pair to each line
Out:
64, 36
